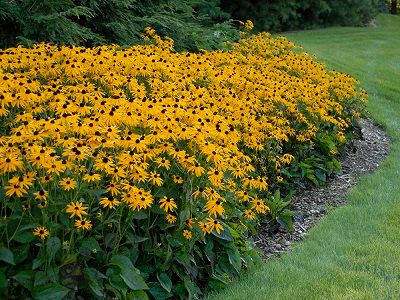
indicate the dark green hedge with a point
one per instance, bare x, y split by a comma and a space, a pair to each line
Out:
193, 24
281, 15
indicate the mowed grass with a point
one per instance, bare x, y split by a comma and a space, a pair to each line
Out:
354, 252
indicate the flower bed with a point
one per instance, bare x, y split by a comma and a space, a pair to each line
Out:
140, 171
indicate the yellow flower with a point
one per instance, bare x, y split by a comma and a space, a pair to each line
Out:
214, 224
91, 177
109, 202
196, 169
144, 201
189, 222
162, 162
41, 195
170, 218
68, 183
83, 224
187, 234
155, 179
177, 179
287, 158
214, 208
248, 213
41, 232
259, 206
249, 25
168, 204
76, 209
16, 189
10, 164
204, 227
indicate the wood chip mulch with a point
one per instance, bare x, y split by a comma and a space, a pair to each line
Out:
363, 156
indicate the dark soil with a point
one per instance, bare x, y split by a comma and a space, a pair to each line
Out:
363, 156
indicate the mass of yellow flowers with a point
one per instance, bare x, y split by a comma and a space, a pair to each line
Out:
94, 132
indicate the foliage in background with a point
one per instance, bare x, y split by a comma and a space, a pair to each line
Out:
141, 171
193, 24
281, 15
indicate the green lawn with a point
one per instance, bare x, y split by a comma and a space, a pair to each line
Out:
353, 253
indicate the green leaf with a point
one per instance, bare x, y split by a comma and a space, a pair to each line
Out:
321, 176
52, 273
133, 279
122, 261
109, 240
7, 256
165, 281
3, 282
137, 295
40, 278
217, 282
64, 219
88, 246
25, 278
37, 262
53, 246
136, 239
208, 250
158, 292
50, 292
234, 257
191, 287
118, 283
224, 235
140, 215
94, 281
24, 237
21, 253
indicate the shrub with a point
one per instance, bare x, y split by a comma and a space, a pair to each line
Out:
283, 15
134, 171
192, 24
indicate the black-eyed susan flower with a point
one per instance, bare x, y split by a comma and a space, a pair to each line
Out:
167, 204
67, 184
155, 179
248, 213
189, 222
16, 189
77, 209
187, 234
196, 169
214, 207
10, 164
42, 203
204, 227
259, 206
163, 162
178, 179
83, 224
171, 219
91, 177
41, 195
214, 224
41, 232
46, 179
109, 202
24, 181
144, 201
113, 189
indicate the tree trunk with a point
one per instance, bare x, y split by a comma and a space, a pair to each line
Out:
393, 7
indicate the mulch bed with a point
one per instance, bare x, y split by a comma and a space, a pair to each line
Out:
363, 156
